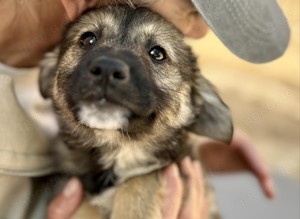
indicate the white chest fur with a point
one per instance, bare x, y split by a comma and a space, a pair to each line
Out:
131, 160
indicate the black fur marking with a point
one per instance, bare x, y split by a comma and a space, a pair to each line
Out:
96, 182
172, 149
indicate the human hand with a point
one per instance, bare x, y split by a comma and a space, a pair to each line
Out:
38, 25
67, 202
195, 205
239, 155
182, 13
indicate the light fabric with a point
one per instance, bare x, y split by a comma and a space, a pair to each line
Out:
24, 153
24, 150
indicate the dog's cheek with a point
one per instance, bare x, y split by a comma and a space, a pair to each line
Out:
61, 91
185, 113
70, 57
69, 62
174, 108
181, 108
167, 77
174, 99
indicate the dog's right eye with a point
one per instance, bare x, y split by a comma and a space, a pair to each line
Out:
88, 39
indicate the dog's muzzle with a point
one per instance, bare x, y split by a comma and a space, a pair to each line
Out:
112, 80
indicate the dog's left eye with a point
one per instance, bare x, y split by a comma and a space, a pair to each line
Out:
158, 53
88, 39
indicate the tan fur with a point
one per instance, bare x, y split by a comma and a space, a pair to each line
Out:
139, 197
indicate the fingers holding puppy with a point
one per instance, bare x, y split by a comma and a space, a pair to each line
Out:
195, 205
182, 13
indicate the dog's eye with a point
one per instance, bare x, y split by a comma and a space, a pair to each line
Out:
157, 53
88, 39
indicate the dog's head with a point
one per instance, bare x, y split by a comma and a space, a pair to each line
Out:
122, 69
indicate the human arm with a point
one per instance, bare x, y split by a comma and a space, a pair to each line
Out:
240, 155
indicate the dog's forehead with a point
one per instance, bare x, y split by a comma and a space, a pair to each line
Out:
99, 20
121, 25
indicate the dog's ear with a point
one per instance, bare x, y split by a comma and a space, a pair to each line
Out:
47, 72
212, 116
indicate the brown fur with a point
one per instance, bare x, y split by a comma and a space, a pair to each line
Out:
167, 98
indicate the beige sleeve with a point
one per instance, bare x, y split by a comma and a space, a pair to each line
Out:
24, 153
24, 150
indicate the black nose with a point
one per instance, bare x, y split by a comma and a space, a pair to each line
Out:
115, 71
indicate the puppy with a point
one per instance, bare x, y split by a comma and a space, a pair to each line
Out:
127, 91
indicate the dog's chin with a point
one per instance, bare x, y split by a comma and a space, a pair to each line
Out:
104, 115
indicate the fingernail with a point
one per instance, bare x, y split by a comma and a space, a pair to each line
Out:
174, 170
197, 166
71, 188
170, 172
187, 162
270, 187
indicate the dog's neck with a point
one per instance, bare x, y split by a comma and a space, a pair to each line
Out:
106, 165
130, 160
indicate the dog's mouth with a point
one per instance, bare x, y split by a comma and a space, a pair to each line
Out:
103, 114
107, 115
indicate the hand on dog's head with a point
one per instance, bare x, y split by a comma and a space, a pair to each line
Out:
123, 69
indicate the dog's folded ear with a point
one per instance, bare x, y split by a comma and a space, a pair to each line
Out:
212, 116
47, 72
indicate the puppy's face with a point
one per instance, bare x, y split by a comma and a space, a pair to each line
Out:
129, 70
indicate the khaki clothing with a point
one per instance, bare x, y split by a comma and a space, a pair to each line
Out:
27, 125
24, 153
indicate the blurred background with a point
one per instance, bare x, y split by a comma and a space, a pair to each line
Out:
264, 98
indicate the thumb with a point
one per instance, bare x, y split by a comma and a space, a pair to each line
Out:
66, 203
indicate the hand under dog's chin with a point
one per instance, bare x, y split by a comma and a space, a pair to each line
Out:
104, 115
